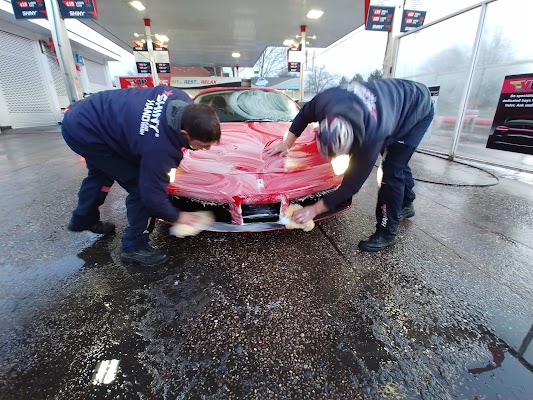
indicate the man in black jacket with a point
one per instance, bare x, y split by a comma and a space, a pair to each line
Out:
135, 137
361, 120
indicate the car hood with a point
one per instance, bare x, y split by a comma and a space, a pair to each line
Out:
237, 166
241, 151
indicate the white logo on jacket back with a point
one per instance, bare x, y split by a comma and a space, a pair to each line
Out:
366, 96
152, 112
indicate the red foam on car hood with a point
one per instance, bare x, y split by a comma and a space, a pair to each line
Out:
241, 150
238, 167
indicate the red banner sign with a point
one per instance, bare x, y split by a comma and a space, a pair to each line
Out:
127, 82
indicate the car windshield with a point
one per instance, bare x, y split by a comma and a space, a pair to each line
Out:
250, 105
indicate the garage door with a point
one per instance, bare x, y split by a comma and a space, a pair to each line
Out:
59, 81
22, 84
97, 74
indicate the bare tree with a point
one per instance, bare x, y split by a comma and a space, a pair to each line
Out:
272, 62
449, 68
495, 48
286, 74
320, 79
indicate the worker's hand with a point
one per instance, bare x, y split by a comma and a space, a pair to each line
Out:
308, 213
305, 214
188, 218
277, 148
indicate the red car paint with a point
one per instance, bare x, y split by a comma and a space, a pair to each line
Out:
237, 172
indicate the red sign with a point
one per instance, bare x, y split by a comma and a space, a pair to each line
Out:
127, 82
519, 84
512, 127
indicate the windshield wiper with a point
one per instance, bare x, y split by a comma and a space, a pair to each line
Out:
259, 120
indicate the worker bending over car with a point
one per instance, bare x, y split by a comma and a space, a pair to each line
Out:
135, 137
387, 116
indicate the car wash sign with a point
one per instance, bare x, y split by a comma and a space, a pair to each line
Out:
379, 15
512, 128
142, 58
413, 15
78, 9
29, 9
69, 9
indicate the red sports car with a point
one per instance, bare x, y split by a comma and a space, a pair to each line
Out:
244, 188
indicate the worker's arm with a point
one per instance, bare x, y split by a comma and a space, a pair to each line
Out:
361, 164
281, 148
300, 122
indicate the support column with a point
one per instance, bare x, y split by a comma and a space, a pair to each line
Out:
64, 51
466, 93
302, 63
390, 52
148, 33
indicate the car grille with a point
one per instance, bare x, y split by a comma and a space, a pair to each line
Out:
221, 210
260, 212
253, 213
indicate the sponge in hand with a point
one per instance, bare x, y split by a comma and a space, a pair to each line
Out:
291, 224
205, 219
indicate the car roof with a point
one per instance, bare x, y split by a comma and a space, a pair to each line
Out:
519, 120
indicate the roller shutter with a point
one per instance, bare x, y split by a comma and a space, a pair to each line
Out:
21, 82
59, 80
97, 74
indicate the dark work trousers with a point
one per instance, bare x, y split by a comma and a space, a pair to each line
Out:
396, 191
105, 167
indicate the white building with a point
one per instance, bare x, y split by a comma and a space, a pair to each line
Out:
32, 86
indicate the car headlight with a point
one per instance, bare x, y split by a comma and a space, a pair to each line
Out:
340, 164
172, 175
379, 175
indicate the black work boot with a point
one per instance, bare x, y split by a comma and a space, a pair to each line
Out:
147, 257
378, 241
407, 212
100, 227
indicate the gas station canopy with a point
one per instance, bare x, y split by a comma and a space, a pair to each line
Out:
207, 32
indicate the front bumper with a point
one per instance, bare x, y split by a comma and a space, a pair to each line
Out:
241, 217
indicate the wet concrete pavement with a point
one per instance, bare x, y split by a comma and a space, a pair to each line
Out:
446, 314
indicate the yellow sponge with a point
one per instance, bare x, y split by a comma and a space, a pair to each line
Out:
182, 230
295, 225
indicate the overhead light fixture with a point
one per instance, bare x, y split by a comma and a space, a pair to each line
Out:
161, 38
136, 34
137, 5
235, 55
314, 14
288, 42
